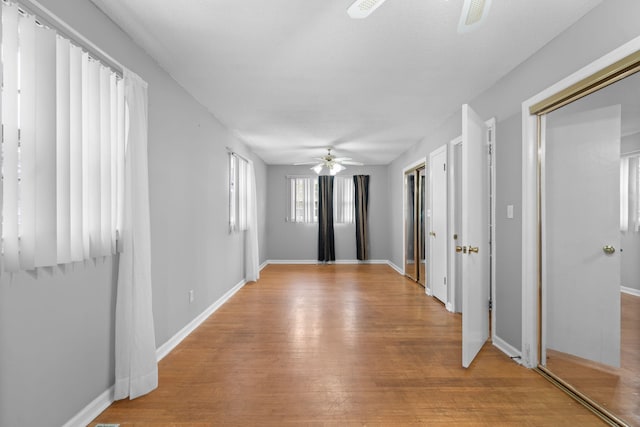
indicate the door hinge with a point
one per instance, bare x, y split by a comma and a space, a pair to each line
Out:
490, 305
444, 167
445, 281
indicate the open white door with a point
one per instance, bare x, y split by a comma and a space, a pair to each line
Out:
474, 252
581, 233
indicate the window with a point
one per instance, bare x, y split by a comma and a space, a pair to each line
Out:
238, 193
302, 199
343, 200
630, 193
62, 147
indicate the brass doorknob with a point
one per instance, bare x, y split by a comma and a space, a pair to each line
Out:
462, 249
473, 249
609, 250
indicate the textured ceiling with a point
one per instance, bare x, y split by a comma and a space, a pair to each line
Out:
292, 77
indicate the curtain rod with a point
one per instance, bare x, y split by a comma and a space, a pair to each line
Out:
238, 155
37, 9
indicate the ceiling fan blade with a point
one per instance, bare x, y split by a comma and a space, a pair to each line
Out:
349, 162
341, 159
304, 163
474, 12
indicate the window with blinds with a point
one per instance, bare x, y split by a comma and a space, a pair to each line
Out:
302, 199
63, 147
238, 193
343, 200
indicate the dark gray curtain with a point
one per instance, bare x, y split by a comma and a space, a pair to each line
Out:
326, 243
361, 185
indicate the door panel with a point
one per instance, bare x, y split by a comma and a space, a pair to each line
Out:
581, 206
438, 224
422, 215
410, 268
475, 232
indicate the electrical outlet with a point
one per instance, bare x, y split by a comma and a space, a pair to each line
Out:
192, 296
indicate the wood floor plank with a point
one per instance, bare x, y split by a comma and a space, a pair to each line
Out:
340, 345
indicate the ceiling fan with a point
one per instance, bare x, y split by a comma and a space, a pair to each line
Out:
473, 14
330, 162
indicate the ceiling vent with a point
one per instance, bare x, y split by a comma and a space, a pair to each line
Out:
363, 8
473, 14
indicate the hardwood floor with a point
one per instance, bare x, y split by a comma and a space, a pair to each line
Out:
616, 389
340, 345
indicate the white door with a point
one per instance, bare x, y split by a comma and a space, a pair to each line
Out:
581, 202
438, 224
474, 254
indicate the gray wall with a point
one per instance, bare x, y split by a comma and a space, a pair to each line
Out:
590, 38
296, 241
57, 326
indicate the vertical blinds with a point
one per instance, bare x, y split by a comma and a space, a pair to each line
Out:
62, 148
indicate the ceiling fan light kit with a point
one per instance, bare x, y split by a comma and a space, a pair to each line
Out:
363, 8
331, 163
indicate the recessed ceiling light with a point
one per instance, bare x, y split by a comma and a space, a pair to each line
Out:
363, 8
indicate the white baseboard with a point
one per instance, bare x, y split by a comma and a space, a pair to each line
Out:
263, 265
173, 342
292, 261
508, 349
102, 402
395, 267
630, 291
337, 262
92, 410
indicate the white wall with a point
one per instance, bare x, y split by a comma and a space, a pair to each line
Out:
57, 327
296, 241
605, 28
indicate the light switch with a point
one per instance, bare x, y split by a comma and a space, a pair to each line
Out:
509, 211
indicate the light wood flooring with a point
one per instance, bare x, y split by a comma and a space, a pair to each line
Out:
616, 389
340, 345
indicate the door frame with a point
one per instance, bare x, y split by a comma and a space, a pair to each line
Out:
601, 70
413, 165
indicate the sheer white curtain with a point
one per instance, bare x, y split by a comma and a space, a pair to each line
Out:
252, 259
136, 365
344, 199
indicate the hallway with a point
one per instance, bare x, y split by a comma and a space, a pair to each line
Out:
340, 344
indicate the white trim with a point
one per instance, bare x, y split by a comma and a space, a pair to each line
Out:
396, 268
449, 307
507, 349
451, 222
491, 126
630, 291
92, 410
173, 342
263, 265
530, 200
293, 261
102, 402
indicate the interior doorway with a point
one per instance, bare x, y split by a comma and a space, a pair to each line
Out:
415, 254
